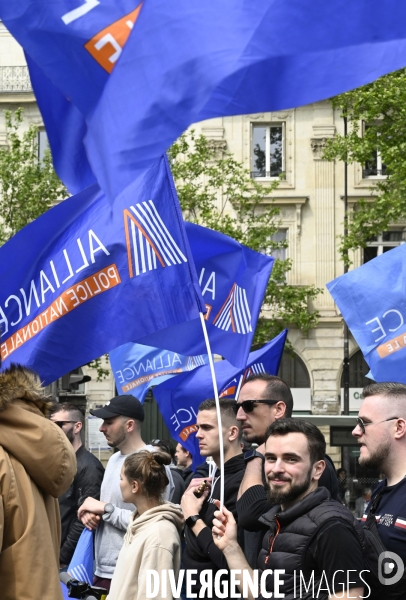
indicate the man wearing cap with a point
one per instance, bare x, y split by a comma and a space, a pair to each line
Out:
110, 516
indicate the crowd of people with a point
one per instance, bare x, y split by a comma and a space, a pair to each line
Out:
152, 512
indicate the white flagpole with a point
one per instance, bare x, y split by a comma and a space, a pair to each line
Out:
216, 396
239, 387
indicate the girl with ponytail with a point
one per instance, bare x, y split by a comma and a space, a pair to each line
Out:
152, 541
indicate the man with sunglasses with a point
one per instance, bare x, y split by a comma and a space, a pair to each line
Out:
381, 434
264, 399
87, 481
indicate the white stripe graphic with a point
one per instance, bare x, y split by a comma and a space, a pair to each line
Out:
135, 246
194, 361
145, 258
79, 572
235, 310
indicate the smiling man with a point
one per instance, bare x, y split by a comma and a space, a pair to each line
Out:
200, 552
381, 434
122, 420
263, 400
315, 542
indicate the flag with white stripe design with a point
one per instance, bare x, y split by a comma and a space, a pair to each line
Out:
150, 241
235, 312
81, 565
233, 281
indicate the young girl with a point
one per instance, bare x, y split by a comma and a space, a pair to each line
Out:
152, 540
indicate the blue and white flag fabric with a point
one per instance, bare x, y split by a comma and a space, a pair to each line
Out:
372, 300
87, 277
136, 367
233, 281
81, 565
179, 398
122, 63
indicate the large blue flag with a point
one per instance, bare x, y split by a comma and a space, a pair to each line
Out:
81, 565
233, 281
372, 300
66, 128
87, 277
179, 398
140, 73
136, 367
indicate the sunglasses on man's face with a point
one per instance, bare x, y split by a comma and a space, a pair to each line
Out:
249, 405
60, 423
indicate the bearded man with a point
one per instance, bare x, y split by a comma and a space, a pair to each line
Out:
314, 543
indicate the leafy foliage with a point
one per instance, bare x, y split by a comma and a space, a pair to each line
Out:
97, 364
217, 192
376, 115
28, 186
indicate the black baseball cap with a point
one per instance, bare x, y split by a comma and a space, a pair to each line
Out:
126, 406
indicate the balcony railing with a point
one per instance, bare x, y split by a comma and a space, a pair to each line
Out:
373, 172
265, 174
15, 79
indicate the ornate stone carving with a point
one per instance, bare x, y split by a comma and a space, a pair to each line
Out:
218, 146
287, 214
318, 145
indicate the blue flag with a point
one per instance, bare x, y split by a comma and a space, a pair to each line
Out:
66, 128
87, 277
372, 300
136, 367
81, 565
233, 281
179, 398
123, 63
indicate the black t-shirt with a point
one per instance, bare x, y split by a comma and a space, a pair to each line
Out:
336, 552
391, 516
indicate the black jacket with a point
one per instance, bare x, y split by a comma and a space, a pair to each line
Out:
86, 483
293, 533
187, 475
201, 552
178, 483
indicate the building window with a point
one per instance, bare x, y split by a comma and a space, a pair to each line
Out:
358, 372
374, 167
294, 373
383, 243
267, 152
43, 144
278, 237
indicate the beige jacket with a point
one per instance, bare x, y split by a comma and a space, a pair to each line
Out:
152, 542
37, 464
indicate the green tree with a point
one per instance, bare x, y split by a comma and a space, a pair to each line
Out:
217, 192
28, 186
376, 115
